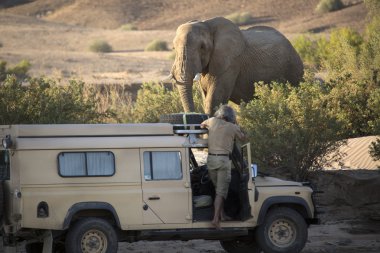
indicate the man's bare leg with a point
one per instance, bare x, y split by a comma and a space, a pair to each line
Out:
218, 205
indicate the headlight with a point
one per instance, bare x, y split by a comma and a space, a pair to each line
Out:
7, 142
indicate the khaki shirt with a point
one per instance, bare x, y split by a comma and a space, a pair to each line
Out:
221, 135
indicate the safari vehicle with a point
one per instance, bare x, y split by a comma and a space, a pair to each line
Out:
84, 188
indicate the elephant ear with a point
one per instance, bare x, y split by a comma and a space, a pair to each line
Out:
229, 44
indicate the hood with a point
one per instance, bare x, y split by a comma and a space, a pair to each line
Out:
273, 181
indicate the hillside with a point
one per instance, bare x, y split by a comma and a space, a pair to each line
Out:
289, 15
54, 35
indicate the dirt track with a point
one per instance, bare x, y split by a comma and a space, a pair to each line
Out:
340, 237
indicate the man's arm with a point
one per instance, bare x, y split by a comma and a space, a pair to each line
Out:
204, 124
240, 133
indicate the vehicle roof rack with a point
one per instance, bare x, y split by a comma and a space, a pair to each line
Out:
193, 131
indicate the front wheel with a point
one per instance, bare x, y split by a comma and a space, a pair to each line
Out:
284, 231
241, 245
92, 235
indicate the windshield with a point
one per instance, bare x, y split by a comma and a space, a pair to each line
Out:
4, 164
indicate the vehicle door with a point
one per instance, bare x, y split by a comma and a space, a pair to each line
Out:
165, 186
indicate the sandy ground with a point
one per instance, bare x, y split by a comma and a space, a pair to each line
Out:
339, 237
350, 236
62, 51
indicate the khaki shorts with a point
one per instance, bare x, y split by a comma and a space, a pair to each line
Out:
219, 170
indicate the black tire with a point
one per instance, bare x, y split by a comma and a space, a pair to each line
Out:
183, 118
284, 230
35, 247
93, 234
243, 245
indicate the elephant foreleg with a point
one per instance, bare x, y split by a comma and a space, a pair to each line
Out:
218, 91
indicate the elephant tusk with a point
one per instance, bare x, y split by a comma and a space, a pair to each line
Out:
168, 78
197, 77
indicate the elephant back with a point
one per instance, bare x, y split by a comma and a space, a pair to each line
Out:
270, 56
261, 36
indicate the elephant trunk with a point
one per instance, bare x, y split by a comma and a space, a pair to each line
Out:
183, 72
186, 94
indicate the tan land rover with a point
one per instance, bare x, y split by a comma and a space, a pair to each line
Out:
84, 188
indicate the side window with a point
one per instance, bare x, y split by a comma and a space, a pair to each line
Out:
86, 164
162, 165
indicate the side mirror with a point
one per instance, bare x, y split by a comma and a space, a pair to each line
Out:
7, 142
254, 170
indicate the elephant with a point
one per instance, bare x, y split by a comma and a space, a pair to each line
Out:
229, 61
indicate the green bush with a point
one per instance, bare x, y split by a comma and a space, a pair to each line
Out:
325, 6
356, 104
45, 102
311, 49
100, 46
157, 45
114, 98
238, 18
291, 128
128, 27
20, 70
154, 100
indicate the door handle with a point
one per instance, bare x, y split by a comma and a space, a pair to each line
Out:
154, 198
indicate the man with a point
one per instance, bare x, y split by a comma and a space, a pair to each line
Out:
222, 132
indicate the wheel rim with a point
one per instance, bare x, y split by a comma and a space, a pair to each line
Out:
94, 241
282, 233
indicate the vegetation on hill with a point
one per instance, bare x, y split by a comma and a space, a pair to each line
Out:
100, 46
157, 45
240, 18
325, 6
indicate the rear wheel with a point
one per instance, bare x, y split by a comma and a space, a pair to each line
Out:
92, 235
284, 231
242, 245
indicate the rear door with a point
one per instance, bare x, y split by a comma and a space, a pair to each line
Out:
165, 186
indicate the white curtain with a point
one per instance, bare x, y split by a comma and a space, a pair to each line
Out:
86, 164
72, 164
100, 163
162, 165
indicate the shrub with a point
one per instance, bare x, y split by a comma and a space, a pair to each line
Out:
20, 70
100, 46
243, 18
325, 6
154, 100
343, 49
1, 44
115, 99
290, 127
128, 27
307, 48
45, 102
157, 45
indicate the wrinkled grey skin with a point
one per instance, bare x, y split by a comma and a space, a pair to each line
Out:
230, 60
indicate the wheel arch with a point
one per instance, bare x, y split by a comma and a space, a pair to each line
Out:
296, 203
88, 209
